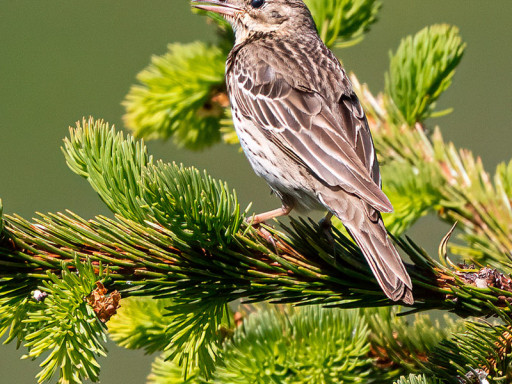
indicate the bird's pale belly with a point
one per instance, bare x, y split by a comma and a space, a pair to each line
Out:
288, 179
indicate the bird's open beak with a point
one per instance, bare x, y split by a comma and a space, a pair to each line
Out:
217, 6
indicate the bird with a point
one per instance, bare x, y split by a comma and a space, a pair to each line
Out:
303, 129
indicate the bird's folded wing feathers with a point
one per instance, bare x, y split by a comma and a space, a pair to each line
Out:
331, 139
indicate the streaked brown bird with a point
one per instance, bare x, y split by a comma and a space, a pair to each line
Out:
303, 129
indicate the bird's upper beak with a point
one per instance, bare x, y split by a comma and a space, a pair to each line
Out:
217, 6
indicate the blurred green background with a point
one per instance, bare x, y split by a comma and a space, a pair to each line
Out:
61, 60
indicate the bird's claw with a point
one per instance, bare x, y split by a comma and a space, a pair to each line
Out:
268, 238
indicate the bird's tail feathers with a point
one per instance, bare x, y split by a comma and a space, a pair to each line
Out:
365, 225
386, 265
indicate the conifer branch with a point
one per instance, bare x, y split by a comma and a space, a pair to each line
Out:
179, 237
453, 183
420, 70
56, 321
178, 96
417, 379
192, 244
343, 23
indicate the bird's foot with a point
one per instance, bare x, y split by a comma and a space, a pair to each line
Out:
256, 220
268, 238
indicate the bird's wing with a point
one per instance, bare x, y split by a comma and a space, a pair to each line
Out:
331, 139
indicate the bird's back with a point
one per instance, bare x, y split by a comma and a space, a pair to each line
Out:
298, 71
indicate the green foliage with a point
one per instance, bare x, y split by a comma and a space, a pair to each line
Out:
420, 71
112, 165
464, 191
189, 201
170, 257
181, 329
141, 323
194, 334
199, 208
483, 207
65, 329
164, 371
310, 344
287, 345
14, 305
177, 96
413, 191
405, 345
343, 22
196, 209
481, 346
417, 379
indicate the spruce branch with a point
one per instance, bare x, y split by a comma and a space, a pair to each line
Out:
193, 245
481, 351
420, 70
370, 346
194, 334
405, 346
417, 379
179, 96
341, 23
284, 345
63, 327
462, 190
120, 170
200, 234
277, 344
67, 328
15, 302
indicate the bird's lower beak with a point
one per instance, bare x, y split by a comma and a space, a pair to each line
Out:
217, 6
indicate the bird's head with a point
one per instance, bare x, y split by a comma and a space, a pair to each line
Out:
248, 17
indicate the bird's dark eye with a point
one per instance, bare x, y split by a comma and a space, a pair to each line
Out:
257, 3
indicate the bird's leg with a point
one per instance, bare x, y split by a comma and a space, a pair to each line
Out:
325, 225
262, 217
